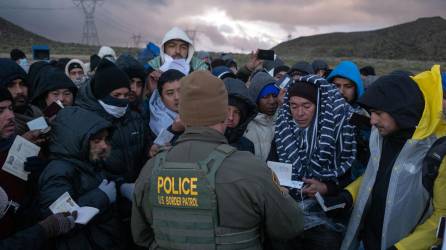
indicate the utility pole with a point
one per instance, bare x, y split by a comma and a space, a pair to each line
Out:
136, 38
89, 33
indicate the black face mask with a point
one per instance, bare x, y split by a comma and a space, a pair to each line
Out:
112, 101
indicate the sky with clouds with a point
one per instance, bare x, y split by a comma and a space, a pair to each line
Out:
230, 25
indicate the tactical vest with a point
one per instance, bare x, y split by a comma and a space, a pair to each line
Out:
184, 206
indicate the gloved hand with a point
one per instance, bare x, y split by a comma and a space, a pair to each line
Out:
58, 224
342, 197
126, 190
34, 164
109, 188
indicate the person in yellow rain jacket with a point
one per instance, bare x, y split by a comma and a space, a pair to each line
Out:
392, 206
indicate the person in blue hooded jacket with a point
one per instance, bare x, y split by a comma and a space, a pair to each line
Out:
347, 78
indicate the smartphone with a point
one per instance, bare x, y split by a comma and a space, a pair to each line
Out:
51, 110
283, 82
263, 54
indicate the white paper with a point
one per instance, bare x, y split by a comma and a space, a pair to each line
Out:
37, 124
321, 202
283, 172
66, 204
19, 151
164, 137
85, 214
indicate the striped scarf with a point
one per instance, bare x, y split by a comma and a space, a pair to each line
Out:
327, 148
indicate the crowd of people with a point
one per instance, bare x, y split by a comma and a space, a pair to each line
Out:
174, 152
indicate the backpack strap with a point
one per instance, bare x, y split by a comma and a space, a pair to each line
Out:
214, 161
432, 162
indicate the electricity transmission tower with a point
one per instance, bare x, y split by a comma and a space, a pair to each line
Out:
89, 33
136, 38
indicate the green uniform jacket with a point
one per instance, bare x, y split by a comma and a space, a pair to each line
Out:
247, 196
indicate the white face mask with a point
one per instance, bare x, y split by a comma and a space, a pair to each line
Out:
24, 64
115, 111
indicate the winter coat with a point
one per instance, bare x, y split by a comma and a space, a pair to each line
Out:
82, 64
260, 131
247, 196
31, 238
71, 171
51, 78
236, 89
407, 224
130, 138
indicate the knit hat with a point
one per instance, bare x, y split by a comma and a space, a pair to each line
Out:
304, 90
319, 65
5, 95
240, 105
10, 71
304, 68
258, 82
203, 99
108, 77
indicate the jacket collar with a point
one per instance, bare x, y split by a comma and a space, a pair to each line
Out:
204, 134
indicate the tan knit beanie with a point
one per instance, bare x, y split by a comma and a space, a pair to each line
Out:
203, 99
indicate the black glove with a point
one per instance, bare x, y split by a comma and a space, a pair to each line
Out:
57, 224
34, 164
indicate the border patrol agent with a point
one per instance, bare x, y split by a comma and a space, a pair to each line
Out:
203, 193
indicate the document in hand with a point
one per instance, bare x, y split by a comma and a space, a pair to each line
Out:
37, 124
19, 151
283, 171
164, 137
321, 202
66, 204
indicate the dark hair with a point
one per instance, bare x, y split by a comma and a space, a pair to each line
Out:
169, 76
367, 71
17, 54
217, 62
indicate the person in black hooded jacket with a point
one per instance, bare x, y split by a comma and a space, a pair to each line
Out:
241, 110
53, 85
137, 76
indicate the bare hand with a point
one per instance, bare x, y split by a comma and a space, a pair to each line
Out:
314, 186
254, 63
177, 125
281, 96
34, 136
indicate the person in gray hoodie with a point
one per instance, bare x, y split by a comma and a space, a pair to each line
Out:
263, 92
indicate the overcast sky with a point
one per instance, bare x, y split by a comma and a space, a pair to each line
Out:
229, 25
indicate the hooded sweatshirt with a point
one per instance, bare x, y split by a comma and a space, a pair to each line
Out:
348, 70
50, 79
134, 69
179, 34
326, 149
237, 90
261, 129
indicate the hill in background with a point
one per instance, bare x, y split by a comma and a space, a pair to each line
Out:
423, 39
13, 36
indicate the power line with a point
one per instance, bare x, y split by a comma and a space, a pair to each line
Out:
90, 32
35, 8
